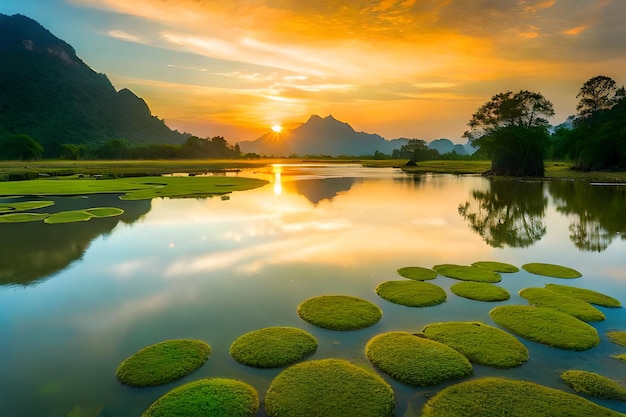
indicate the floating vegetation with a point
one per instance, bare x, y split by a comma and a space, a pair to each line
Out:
546, 326
416, 360
584, 294
492, 397
617, 337
72, 216
24, 206
218, 397
163, 362
480, 291
467, 273
551, 270
480, 343
329, 388
496, 266
593, 384
417, 273
620, 357
543, 297
411, 293
273, 347
339, 312
23, 217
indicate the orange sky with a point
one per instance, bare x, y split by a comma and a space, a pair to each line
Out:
399, 68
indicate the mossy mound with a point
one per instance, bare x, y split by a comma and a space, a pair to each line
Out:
467, 273
493, 397
497, 266
272, 347
480, 343
551, 270
416, 360
72, 216
215, 397
480, 291
339, 312
417, 273
24, 206
163, 362
595, 385
546, 326
22, 217
411, 293
590, 296
620, 357
617, 337
329, 388
543, 297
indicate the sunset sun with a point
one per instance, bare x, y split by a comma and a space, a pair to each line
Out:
277, 128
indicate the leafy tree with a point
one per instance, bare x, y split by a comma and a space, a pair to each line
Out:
113, 149
513, 130
415, 150
596, 94
21, 147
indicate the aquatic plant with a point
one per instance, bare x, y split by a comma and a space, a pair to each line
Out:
411, 293
271, 347
467, 273
544, 297
593, 384
417, 273
496, 266
339, 312
617, 337
551, 270
480, 291
590, 296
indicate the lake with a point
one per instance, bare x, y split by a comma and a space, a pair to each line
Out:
77, 299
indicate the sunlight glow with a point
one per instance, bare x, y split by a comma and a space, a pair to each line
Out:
277, 128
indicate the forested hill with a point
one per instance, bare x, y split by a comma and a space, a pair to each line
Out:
49, 93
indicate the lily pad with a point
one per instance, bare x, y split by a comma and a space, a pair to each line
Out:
217, 397
329, 388
593, 384
339, 312
505, 397
411, 293
417, 273
584, 294
163, 362
546, 326
24, 206
416, 360
72, 216
23, 217
497, 266
480, 343
273, 346
480, 291
551, 270
467, 273
543, 297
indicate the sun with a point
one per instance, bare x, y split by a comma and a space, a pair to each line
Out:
277, 128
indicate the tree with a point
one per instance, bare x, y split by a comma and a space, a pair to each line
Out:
415, 150
21, 147
513, 130
596, 94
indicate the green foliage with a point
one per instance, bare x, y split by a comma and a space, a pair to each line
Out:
543, 297
329, 388
584, 294
551, 270
480, 343
593, 384
417, 273
163, 362
547, 326
411, 293
339, 312
496, 397
467, 273
215, 397
273, 347
415, 150
496, 266
416, 360
617, 337
621, 357
480, 291
21, 147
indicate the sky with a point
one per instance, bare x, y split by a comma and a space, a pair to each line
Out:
399, 68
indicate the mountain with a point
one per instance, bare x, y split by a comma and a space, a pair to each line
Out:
49, 93
321, 136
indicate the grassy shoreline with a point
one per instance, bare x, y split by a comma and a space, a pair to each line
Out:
12, 170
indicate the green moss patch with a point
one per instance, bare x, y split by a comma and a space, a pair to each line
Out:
480, 343
497, 266
411, 293
22, 217
620, 357
551, 270
329, 388
480, 291
492, 397
543, 297
416, 360
215, 397
73, 216
163, 362
584, 294
273, 346
417, 273
339, 312
595, 385
467, 273
547, 326
617, 337
24, 206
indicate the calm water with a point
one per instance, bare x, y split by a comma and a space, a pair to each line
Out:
77, 299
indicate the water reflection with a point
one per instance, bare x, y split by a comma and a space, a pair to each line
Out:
31, 251
507, 213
